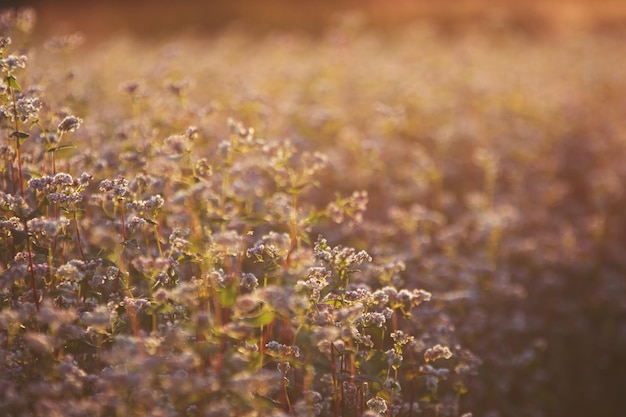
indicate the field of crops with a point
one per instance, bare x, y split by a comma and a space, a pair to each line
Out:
363, 221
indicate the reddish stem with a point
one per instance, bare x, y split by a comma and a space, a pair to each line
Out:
21, 181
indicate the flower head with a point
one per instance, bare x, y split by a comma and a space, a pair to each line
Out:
69, 124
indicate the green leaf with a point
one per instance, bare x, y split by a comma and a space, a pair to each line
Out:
254, 362
157, 308
73, 212
228, 296
298, 188
132, 243
38, 249
263, 319
19, 135
11, 81
60, 148
328, 289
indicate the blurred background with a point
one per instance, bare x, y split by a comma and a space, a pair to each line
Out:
162, 17
561, 91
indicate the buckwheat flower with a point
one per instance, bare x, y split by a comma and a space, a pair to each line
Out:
337, 214
160, 296
249, 281
99, 318
25, 108
130, 87
227, 243
44, 183
377, 404
257, 251
437, 352
432, 384
203, 168
118, 189
358, 205
324, 336
391, 292
414, 408
21, 257
192, 132
285, 351
15, 204
9, 225
25, 19
407, 299
141, 182
322, 250
224, 148
13, 273
187, 293
62, 179
154, 203
7, 152
136, 305
283, 367
400, 338
370, 320
40, 342
69, 124
275, 245
279, 205
393, 267
379, 297
420, 296
313, 286
136, 223
65, 199
64, 43
40, 270
248, 305
69, 272
43, 226
84, 179
349, 256
236, 127
312, 404
363, 339
180, 87
313, 162
357, 295
13, 62
349, 392
97, 280
319, 273
394, 359
175, 145
4, 42
217, 277
278, 152
392, 384
53, 316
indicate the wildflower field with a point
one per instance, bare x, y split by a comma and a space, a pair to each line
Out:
360, 222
